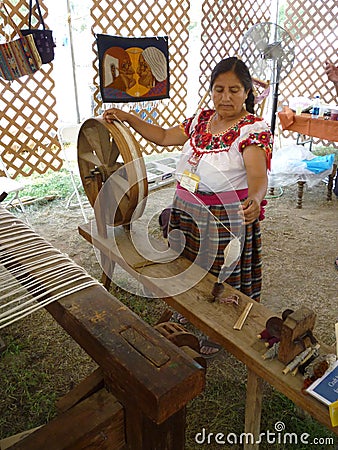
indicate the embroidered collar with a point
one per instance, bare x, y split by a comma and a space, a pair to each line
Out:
202, 141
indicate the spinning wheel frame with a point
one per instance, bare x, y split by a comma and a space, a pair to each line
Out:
99, 146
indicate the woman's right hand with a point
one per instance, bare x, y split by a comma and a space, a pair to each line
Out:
115, 114
331, 71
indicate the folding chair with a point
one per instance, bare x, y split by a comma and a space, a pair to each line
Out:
67, 136
10, 186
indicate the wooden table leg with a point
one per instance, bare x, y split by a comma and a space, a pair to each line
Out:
253, 410
108, 269
300, 194
330, 182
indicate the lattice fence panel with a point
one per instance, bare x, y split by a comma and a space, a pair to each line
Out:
223, 26
28, 119
314, 27
150, 18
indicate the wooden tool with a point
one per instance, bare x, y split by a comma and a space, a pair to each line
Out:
296, 334
242, 318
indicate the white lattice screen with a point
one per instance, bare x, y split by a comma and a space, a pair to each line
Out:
150, 18
314, 27
28, 119
223, 26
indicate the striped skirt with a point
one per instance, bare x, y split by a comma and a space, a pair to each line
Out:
201, 234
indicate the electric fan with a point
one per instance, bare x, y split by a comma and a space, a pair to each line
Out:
269, 52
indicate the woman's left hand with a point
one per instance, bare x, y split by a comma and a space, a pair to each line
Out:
250, 210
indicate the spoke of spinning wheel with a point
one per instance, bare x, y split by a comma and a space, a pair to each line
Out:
113, 154
97, 141
119, 183
91, 158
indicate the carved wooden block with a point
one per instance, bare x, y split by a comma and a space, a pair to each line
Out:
296, 325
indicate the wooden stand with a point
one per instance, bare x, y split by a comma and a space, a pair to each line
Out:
137, 398
214, 319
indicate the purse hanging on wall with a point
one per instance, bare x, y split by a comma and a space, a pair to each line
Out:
18, 57
43, 38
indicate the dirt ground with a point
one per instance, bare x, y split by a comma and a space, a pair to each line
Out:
299, 249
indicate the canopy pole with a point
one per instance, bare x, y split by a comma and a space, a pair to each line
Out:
73, 61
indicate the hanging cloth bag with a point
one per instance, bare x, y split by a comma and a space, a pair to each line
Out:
43, 38
20, 56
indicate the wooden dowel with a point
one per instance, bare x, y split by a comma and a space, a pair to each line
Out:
242, 318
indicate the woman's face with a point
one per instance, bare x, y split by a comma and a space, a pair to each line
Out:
228, 95
146, 77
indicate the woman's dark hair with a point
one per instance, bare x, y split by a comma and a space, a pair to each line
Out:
237, 66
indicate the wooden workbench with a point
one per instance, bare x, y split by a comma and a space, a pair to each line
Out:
214, 319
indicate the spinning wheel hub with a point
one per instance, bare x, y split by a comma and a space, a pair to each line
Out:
104, 171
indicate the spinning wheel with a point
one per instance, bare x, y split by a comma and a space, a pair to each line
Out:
112, 168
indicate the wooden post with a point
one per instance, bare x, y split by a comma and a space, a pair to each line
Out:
330, 183
253, 410
142, 433
300, 194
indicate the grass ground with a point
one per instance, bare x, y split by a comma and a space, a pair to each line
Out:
36, 370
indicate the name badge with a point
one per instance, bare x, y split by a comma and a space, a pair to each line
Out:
189, 181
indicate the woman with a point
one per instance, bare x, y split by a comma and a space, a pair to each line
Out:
119, 69
332, 73
222, 177
152, 69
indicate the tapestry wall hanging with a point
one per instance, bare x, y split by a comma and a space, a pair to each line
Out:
133, 69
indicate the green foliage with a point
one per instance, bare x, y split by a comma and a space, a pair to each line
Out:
49, 184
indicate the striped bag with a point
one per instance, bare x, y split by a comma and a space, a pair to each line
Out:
18, 57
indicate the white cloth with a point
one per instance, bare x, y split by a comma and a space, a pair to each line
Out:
223, 171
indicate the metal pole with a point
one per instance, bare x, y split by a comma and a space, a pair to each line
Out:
275, 97
73, 62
